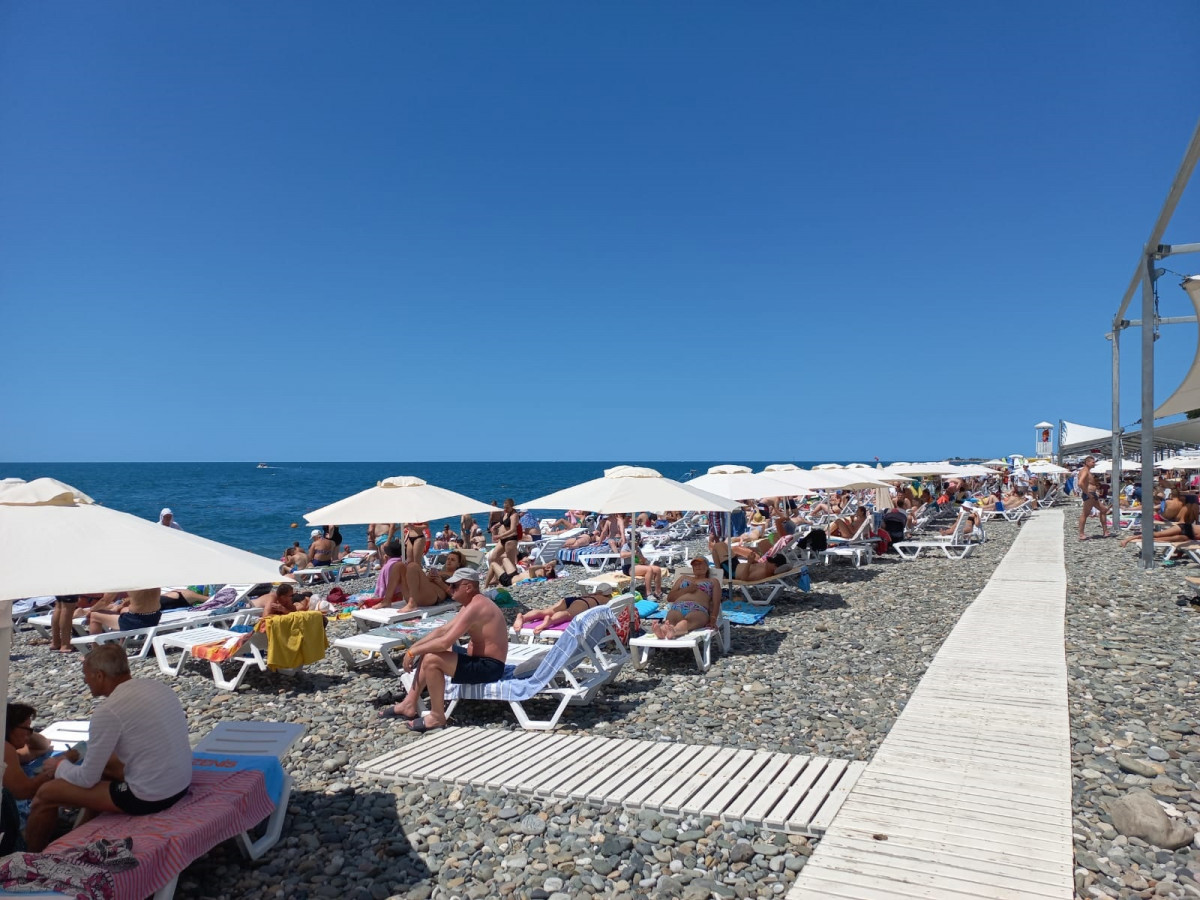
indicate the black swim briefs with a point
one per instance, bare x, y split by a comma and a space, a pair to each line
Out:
476, 669
128, 621
124, 800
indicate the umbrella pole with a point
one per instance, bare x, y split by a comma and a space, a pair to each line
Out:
729, 549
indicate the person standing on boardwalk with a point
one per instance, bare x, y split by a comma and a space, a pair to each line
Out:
1089, 490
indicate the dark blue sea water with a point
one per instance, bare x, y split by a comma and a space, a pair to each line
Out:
251, 508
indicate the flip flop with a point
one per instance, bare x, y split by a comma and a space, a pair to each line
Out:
389, 712
419, 726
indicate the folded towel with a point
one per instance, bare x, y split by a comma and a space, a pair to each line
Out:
739, 612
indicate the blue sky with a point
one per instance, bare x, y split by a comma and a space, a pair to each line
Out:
578, 231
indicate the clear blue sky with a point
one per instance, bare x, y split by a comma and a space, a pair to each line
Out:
578, 230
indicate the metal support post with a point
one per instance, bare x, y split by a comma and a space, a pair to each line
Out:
1147, 410
1115, 477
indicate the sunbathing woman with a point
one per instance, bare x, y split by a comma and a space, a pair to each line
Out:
694, 602
427, 589
752, 570
563, 611
847, 526
1181, 532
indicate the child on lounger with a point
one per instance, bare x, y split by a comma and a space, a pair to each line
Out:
564, 610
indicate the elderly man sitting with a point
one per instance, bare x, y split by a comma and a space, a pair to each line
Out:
437, 655
138, 760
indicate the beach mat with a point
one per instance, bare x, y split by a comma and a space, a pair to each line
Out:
738, 612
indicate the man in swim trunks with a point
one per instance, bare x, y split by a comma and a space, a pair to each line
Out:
139, 759
1089, 490
437, 654
144, 610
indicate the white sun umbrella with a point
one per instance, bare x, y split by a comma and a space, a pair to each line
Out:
56, 540
401, 498
971, 470
626, 489
827, 466
918, 470
742, 483
1047, 468
1105, 466
1179, 462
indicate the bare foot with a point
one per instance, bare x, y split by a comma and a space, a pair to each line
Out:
661, 631
518, 623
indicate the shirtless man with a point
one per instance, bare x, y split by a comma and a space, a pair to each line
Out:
481, 663
281, 601
144, 611
1089, 490
378, 534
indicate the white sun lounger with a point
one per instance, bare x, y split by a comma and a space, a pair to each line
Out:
378, 616
698, 641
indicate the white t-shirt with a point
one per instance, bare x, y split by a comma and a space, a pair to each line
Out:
143, 723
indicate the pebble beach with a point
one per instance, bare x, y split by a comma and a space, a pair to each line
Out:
826, 674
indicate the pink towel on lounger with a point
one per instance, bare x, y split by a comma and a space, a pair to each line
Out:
218, 806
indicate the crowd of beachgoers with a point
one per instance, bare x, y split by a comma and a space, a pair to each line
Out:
826, 672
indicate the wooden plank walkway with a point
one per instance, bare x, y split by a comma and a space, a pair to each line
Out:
779, 791
969, 796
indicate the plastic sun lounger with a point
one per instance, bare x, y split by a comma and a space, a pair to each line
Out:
616, 604
599, 562
587, 656
772, 583
378, 616
142, 638
698, 641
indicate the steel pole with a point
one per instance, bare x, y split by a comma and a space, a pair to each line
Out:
1147, 409
1115, 477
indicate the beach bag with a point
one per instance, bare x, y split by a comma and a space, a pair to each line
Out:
805, 580
628, 622
336, 595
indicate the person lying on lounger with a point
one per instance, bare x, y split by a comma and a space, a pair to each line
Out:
547, 570
422, 588
848, 526
970, 523
564, 610
693, 602
142, 609
1181, 532
281, 601
747, 570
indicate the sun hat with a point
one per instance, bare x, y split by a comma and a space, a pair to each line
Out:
316, 532
463, 575
166, 511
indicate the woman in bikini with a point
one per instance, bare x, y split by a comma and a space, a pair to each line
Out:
423, 588
563, 611
693, 602
415, 541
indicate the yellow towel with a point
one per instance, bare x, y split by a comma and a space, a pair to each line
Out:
296, 639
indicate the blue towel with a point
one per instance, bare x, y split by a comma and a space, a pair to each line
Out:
221, 762
739, 612
647, 609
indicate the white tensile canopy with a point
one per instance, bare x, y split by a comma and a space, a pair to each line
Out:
1187, 396
401, 498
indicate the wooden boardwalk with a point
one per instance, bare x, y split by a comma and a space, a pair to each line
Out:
969, 796
779, 791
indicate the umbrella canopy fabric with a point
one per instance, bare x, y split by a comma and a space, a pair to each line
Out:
1047, 468
401, 498
1179, 462
630, 488
55, 540
972, 470
1127, 465
741, 483
922, 469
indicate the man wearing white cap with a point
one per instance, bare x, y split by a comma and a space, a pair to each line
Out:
167, 518
438, 656
322, 550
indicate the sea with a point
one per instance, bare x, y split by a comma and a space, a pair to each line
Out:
262, 509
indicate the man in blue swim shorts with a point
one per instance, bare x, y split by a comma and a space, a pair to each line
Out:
143, 609
437, 655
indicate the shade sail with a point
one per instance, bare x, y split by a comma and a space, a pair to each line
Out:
401, 498
629, 489
741, 483
51, 542
1187, 395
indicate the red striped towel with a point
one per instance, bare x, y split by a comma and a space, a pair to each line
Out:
218, 806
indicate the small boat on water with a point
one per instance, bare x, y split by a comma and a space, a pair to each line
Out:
262, 466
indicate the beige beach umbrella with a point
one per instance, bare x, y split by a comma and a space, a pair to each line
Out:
56, 540
1105, 466
742, 483
630, 488
401, 498
805, 479
1179, 462
1046, 468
